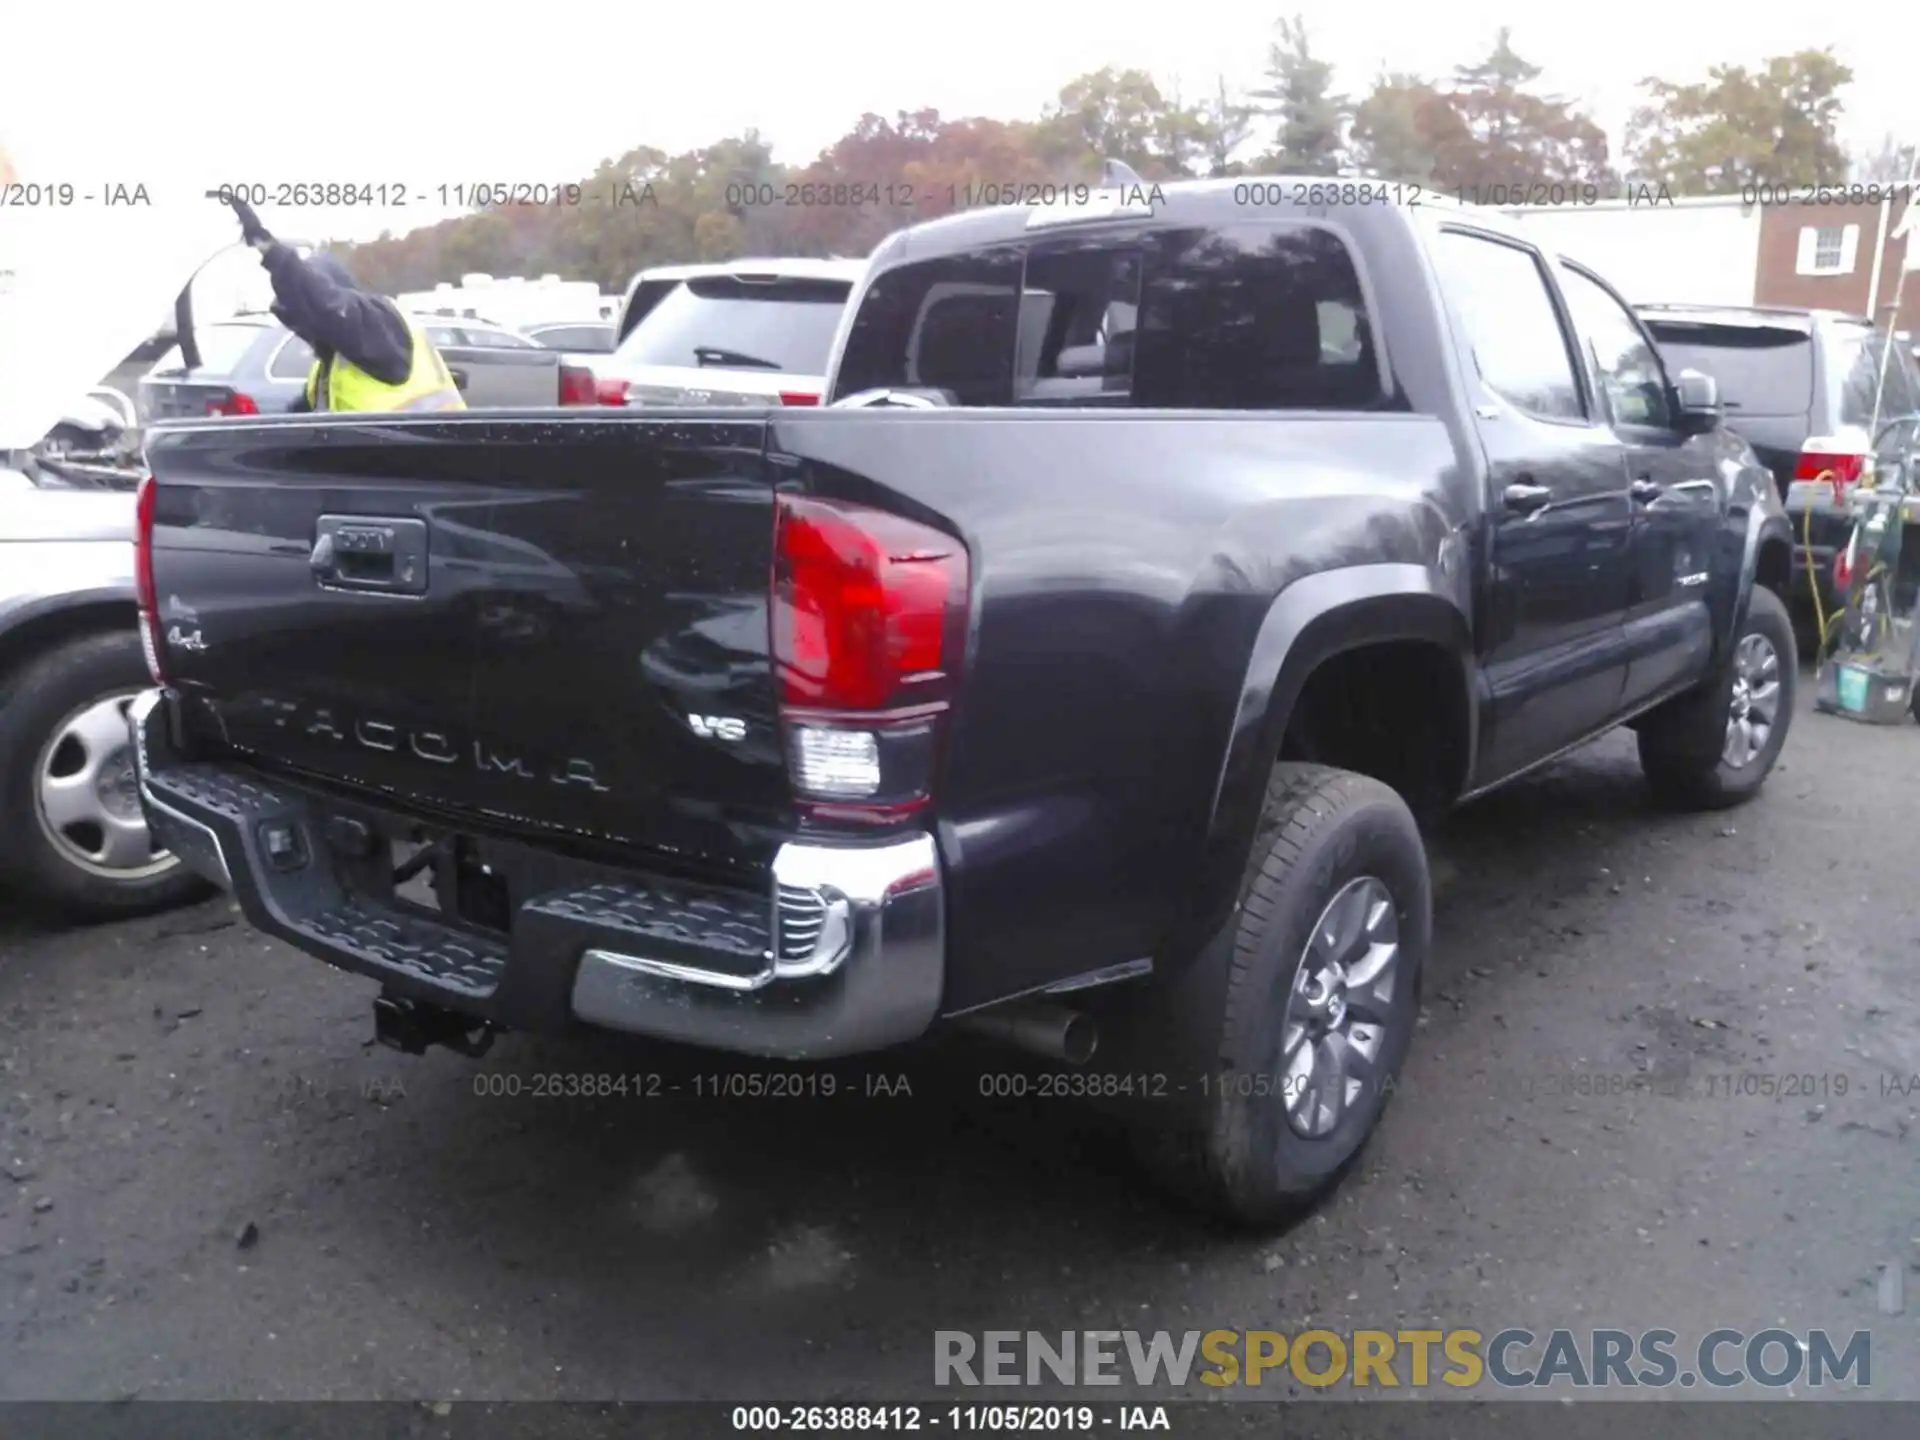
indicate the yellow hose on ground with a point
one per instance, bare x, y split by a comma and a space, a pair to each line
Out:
1821, 623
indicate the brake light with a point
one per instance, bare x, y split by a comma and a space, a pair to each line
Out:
143, 589
799, 397
577, 386
869, 619
1837, 460
610, 392
233, 402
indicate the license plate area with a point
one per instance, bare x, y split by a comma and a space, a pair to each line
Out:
444, 876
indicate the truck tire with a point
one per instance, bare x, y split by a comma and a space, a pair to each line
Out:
86, 856
1322, 980
1714, 747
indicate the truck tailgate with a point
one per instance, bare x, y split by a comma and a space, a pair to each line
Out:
549, 623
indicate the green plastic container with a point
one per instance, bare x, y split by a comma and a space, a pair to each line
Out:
1853, 683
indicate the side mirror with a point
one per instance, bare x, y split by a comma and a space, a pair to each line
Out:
1696, 402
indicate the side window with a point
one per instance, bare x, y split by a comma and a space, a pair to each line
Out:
439, 336
1500, 294
947, 324
1630, 370
1255, 316
497, 339
1865, 368
292, 360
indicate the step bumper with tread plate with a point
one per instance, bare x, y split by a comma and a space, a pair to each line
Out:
845, 954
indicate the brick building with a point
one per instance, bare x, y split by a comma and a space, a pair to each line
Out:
1840, 257
1719, 251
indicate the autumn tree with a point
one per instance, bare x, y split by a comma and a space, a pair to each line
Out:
1111, 114
1299, 99
1777, 124
1401, 129
1510, 134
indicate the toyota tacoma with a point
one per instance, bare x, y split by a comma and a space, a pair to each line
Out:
1085, 670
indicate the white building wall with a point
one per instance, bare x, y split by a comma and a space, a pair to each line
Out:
1690, 252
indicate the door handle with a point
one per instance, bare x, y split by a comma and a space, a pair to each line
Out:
1526, 497
459, 377
1645, 490
352, 552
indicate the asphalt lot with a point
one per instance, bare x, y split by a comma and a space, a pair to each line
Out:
211, 1186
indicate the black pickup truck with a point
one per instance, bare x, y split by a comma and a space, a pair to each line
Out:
1083, 672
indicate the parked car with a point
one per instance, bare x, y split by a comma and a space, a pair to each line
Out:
99, 428
1081, 674
252, 364
580, 337
749, 332
1800, 386
72, 835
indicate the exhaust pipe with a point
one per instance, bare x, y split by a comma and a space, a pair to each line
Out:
1049, 1030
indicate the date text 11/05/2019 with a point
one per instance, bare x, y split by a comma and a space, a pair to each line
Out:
1031, 1418
1496, 195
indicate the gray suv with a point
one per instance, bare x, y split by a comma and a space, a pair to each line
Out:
254, 365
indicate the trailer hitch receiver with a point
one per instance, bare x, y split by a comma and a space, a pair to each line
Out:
412, 1028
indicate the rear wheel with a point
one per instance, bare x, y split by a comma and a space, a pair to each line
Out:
1304, 1038
72, 835
1715, 747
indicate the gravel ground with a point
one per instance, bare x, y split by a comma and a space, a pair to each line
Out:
212, 1186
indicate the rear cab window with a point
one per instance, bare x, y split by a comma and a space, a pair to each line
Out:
723, 322
1244, 316
574, 337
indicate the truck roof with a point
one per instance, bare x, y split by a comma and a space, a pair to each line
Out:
1190, 202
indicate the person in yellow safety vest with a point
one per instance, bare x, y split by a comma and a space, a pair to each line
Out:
367, 354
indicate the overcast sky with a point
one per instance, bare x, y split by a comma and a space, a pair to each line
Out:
182, 97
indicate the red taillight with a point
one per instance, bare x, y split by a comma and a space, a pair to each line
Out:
610, 392
577, 386
799, 397
143, 589
861, 606
869, 614
234, 402
1836, 460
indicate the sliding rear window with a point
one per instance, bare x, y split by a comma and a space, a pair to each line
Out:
1761, 370
1258, 316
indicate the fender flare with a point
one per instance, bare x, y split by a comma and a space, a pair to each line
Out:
1763, 527
1310, 621
46, 614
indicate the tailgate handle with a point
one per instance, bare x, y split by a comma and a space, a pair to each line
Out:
360, 552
